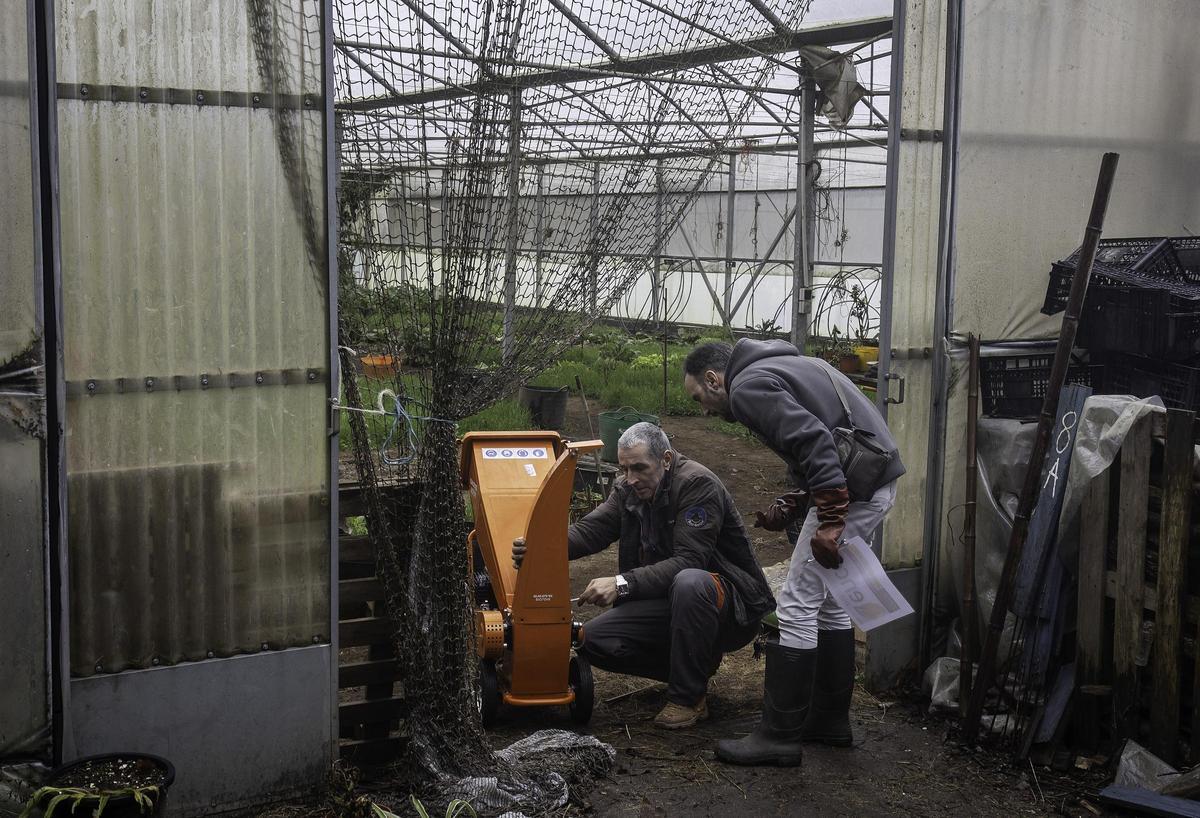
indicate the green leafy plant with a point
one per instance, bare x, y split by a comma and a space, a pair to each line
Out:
837, 347
764, 330
456, 809
70, 798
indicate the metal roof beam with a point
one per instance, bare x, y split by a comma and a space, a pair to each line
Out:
834, 34
770, 16
587, 30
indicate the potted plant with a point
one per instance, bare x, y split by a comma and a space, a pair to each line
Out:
840, 352
866, 343
118, 785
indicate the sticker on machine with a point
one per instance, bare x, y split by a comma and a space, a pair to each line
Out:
534, 453
530, 470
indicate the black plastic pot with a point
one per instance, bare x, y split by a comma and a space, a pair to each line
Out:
547, 405
123, 806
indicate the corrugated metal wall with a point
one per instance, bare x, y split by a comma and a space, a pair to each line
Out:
24, 671
194, 330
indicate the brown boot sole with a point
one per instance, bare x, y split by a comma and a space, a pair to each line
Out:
682, 725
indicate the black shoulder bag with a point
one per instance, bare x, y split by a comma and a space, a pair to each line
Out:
863, 460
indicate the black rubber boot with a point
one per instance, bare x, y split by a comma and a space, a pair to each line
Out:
829, 717
787, 688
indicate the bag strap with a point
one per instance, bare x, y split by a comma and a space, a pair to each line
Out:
828, 370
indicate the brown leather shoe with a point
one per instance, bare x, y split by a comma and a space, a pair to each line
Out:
678, 716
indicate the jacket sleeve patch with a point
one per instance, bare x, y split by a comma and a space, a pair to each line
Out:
696, 517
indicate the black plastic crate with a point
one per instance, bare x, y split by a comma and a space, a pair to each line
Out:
1171, 264
1177, 384
1014, 386
1150, 322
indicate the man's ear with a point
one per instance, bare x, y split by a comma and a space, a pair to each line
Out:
668, 456
712, 380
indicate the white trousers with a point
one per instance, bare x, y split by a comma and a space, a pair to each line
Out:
804, 605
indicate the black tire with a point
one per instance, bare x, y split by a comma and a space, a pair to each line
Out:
489, 693
580, 679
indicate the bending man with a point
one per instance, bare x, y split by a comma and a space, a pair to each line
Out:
793, 403
689, 587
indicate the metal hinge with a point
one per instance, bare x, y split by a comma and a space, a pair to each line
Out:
892, 376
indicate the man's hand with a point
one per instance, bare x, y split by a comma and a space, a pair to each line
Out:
825, 550
832, 507
775, 518
601, 591
518, 554
782, 512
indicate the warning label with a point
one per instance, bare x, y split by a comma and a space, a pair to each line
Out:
516, 454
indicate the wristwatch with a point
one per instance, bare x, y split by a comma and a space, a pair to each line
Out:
622, 587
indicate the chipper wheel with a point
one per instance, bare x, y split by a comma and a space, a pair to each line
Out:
580, 679
489, 693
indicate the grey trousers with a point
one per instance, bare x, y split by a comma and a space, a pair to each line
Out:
804, 605
678, 640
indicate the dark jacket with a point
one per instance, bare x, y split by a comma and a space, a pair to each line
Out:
788, 401
693, 524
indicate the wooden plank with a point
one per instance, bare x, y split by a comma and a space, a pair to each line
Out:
355, 548
374, 672
366, 631
1190, 603
1174, 522
373, 751
369, 712
1145, 802
1089, 650
1131, 571
357, 591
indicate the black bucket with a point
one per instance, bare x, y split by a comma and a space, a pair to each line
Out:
119, 806
547, 405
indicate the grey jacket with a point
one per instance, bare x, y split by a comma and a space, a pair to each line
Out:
788, 401
691, 523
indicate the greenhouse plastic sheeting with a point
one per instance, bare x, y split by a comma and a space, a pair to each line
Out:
198, 517
1047, 87
24, 673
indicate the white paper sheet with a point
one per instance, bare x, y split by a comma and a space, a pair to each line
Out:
862, 588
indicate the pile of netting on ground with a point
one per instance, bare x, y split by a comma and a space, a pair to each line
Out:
490, 210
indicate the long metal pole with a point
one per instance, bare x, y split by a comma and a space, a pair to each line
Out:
1029, 490
594, 261
970, 629
657, 308
802, 272
539, 237
729, 222
659, 296
513, 219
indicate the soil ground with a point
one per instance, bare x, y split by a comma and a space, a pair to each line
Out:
901, 764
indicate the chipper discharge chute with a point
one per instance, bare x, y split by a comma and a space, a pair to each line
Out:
521, 484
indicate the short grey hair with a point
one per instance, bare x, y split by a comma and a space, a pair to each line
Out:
645, 433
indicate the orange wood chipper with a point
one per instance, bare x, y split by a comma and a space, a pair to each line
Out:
521, 485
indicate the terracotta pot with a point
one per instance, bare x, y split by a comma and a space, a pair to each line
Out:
378, 366
849, 364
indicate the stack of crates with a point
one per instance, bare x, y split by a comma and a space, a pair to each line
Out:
1141, 319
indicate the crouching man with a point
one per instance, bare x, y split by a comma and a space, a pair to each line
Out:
689, 588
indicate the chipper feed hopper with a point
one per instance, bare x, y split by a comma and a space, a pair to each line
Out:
521, 485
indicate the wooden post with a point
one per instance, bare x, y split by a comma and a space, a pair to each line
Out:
1172, 579
1131, 575
1090, 630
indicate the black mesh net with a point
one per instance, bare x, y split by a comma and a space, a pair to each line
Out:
487, 156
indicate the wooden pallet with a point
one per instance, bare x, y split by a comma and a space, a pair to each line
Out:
370, 723
1135, 695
